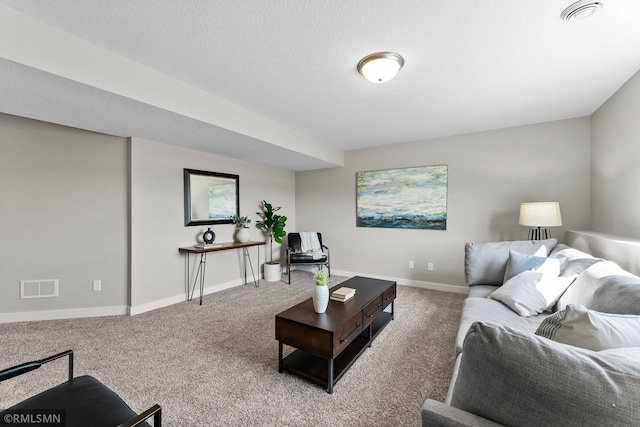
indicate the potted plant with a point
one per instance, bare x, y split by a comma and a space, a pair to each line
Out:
242, 225
321, 292
274, 225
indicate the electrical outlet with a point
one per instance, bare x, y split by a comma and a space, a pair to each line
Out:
410, 264
430, 266
97, 285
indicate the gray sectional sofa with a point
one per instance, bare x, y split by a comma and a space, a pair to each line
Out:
548, 335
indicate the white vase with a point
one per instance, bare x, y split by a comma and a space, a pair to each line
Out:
243, 235
320, 298
272, 272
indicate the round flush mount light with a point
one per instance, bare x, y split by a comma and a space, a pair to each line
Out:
380, 67
581, 10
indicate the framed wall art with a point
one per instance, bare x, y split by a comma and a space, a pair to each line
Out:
413, 197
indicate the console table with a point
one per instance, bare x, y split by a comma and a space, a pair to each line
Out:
328, 344
202, 251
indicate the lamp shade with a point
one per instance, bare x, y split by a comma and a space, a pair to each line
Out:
540, 214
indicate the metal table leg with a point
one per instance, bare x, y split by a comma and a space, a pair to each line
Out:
200, 272
245, 250
330, 377
203, 264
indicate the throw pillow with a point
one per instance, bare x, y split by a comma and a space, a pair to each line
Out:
522, 262
604, 287
581, 327
485, 263
631, 353
531, 292
514, 377
574, 261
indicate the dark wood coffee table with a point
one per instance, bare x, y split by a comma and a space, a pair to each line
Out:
327, 344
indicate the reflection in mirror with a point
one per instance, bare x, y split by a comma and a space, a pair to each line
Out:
210, 197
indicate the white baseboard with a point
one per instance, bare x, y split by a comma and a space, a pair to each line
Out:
408, 282
69, 313
28, 316
153, 305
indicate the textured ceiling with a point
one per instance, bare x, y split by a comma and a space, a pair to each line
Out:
469, 66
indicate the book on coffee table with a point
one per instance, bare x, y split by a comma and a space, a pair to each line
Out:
341, 299
343, 294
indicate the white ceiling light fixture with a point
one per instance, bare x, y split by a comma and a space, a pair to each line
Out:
380, 67
581, 10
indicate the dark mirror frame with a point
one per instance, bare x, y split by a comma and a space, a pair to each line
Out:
187, 197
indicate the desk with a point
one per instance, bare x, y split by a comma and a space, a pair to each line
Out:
203, 261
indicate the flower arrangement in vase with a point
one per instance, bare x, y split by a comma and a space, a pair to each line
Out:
242, 224
321, 292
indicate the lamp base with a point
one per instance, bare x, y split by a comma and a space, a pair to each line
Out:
539, 233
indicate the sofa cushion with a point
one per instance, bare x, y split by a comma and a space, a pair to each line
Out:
485, 263
581, 327
517, 378
519, 263
604, 287
574, 261
531, 292
481, 291
488, 310
631, 353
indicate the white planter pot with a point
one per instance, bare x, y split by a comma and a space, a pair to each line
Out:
272, 272
320, 298
243, 235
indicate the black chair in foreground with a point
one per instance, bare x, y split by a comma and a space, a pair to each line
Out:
299, 254
81, 401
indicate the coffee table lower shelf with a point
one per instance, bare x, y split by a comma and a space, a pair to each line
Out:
316, 369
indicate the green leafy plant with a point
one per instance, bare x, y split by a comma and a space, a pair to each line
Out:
241, 221
321, 278
273, 224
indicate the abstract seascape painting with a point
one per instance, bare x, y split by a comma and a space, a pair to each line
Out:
403, 198
222, 200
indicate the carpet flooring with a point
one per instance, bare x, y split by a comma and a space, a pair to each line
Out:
217, 364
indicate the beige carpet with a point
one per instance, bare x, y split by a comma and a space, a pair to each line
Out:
217, 364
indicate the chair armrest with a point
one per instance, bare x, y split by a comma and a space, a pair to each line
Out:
327, 248
155, 411
23, 368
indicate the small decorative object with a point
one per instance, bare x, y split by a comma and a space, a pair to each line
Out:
321, 292
209, 236
273, 224
242, 224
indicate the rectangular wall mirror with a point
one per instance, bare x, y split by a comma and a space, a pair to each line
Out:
210, 197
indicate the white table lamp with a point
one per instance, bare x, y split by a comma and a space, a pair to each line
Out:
539, 216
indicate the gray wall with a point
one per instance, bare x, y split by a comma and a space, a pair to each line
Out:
65, 195
490, 174
64, 215
615, 175
157, 219
79, 206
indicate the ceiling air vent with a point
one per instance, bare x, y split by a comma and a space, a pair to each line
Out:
581, 10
